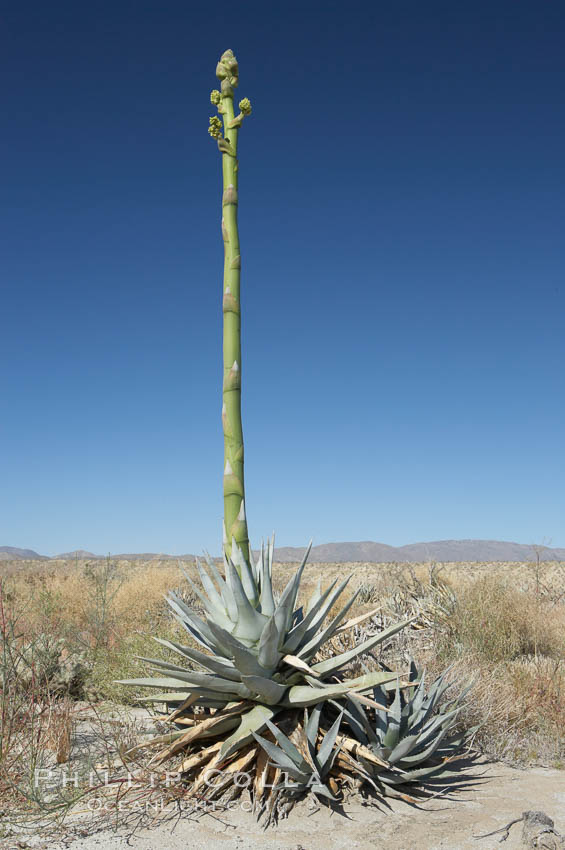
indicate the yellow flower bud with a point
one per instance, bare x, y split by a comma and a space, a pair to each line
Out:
215, 128
245, 106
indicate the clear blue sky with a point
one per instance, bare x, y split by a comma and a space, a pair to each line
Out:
402, 201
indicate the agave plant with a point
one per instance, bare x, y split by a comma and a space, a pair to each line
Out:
411, 736
252, 657
307, 775
259, 655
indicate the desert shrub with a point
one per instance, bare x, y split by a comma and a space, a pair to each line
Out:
36, 722
498, 622
519, 707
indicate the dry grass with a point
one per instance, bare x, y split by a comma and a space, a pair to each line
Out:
504, 624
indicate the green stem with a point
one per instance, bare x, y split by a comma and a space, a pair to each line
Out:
234, 494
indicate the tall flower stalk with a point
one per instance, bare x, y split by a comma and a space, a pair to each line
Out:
235, 522
253, 658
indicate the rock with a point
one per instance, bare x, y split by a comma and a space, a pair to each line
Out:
538, 832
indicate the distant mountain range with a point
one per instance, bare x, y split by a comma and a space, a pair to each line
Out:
332, 553
11, 553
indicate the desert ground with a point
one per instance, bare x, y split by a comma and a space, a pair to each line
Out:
500, 624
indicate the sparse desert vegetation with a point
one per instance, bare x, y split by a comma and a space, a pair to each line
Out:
70, 629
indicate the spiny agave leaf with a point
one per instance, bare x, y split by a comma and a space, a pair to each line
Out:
440, 724
245, 661
269, 655
302, 695
156, 683
321, 789
217, 614
270, 552
223, 668
247, 579
299, 573
432, 698
250, 623
174, 696
403, 749
280, 758
395, 712
210, 699
297, 616
252, 721
296, 634
330, 666
423, 756
323, 611
211, 683
315, 596
334, 624
267, 602
285, 608
191, 680
270, 692
392, 734
403, 777
286, 744
215, 598
312, 726
381, 717
159, 662
225, 591
412, 676
195, 624
329, 631
368, 681
450, 745
436, 777
208, 606
326, 754
418, 698
258, 567
357, 719
427, 722
194, 633
200, 694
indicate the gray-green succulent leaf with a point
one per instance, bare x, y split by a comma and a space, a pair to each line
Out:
306, 776
254, 648
412, 735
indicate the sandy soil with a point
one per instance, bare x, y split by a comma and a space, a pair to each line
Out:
502, 795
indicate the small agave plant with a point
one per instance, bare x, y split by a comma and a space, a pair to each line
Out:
411, 736
252, 658
303, 774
